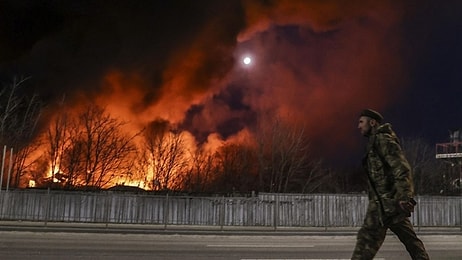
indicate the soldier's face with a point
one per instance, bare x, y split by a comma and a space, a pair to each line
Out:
364, 125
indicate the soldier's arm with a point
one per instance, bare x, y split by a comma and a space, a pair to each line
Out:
393, 157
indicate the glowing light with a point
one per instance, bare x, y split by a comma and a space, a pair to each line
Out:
31, 183
247, 60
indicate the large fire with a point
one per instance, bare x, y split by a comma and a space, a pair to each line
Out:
118, 147
313, 63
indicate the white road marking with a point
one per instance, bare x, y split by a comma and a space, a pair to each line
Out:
260, 246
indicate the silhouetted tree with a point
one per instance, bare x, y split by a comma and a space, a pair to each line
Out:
58, 140
429, 173
138, 170
89, 150
19, 115
201, 172
236, 168
167, 155
285, 161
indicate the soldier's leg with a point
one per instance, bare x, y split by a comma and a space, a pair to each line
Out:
408, 237
370, 238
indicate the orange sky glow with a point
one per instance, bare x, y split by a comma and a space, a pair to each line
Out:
315, 63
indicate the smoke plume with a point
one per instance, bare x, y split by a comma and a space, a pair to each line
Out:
315, 63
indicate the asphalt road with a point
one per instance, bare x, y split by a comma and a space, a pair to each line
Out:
77, 245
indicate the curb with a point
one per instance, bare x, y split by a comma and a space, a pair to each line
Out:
199, 230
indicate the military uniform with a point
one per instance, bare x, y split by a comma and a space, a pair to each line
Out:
390, 181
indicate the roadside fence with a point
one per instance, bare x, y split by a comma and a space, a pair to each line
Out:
264, 209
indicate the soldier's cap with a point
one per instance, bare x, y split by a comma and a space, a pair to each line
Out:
372, 114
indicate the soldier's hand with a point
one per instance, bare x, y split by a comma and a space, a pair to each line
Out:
407, 206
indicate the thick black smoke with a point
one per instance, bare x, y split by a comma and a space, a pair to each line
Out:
315, 62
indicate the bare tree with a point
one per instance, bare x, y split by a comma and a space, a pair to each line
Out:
237, 168
72, 164
9, 105
429, 173
167, 153
98, 151
314, 177
284, 159
58, 140
19, 116
138, 170
201, 172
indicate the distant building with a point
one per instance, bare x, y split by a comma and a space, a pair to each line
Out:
452, 149
452, 153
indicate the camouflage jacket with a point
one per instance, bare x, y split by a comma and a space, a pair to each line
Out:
389, 174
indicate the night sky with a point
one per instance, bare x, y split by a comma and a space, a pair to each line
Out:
317, 63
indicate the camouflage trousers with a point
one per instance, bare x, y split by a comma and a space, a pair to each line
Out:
372, 234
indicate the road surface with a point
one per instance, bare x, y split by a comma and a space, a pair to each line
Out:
83, 246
